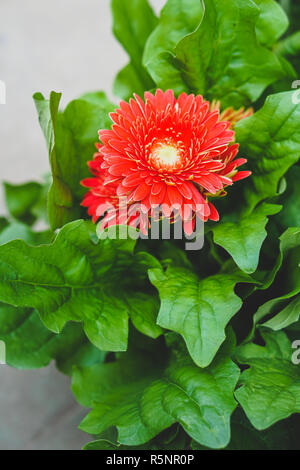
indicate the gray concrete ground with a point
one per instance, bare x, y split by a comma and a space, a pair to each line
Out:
61, 45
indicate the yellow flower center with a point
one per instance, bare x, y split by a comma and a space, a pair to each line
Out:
166, 155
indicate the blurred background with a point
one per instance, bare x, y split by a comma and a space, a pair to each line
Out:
66, 46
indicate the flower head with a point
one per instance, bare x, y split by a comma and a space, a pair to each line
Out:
168, 152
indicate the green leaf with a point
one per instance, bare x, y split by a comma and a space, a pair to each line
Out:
143, 312
177, 19
78, 279
142, 395
170, 254
77, 135
3, 223
133, 22
173, 438
270, 388
290, 199
244, 238
60, 199
29, 345
21, 198
198, 309
70, 138
236, 69
128, 81
287, 316
270, 140
272, 22
281, 436
293, 10
284, 308
17, 230
102, 444
289, 46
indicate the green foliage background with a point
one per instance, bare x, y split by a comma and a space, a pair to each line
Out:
171, 349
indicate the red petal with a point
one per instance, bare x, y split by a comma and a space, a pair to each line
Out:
90, 182
214, 215
157, 188
174, 196
185, 190
241, 175
156, 199
141, 192
188, 226
132, 180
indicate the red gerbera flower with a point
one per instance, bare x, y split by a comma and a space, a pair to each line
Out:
167, 152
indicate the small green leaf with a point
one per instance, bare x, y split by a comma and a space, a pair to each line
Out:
198, 309
287, 316
270, 388
17, 230
143, 309
243, 239
142, 395
21, 198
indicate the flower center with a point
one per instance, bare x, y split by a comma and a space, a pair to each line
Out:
166, 155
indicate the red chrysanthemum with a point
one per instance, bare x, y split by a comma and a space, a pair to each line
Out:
162, 152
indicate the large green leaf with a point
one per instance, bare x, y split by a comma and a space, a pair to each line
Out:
232, 66
244, 238
133, 22
70, 138
270, 388
270, 139
177, 19
29, 344
142, 395
198, 309
80, 279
